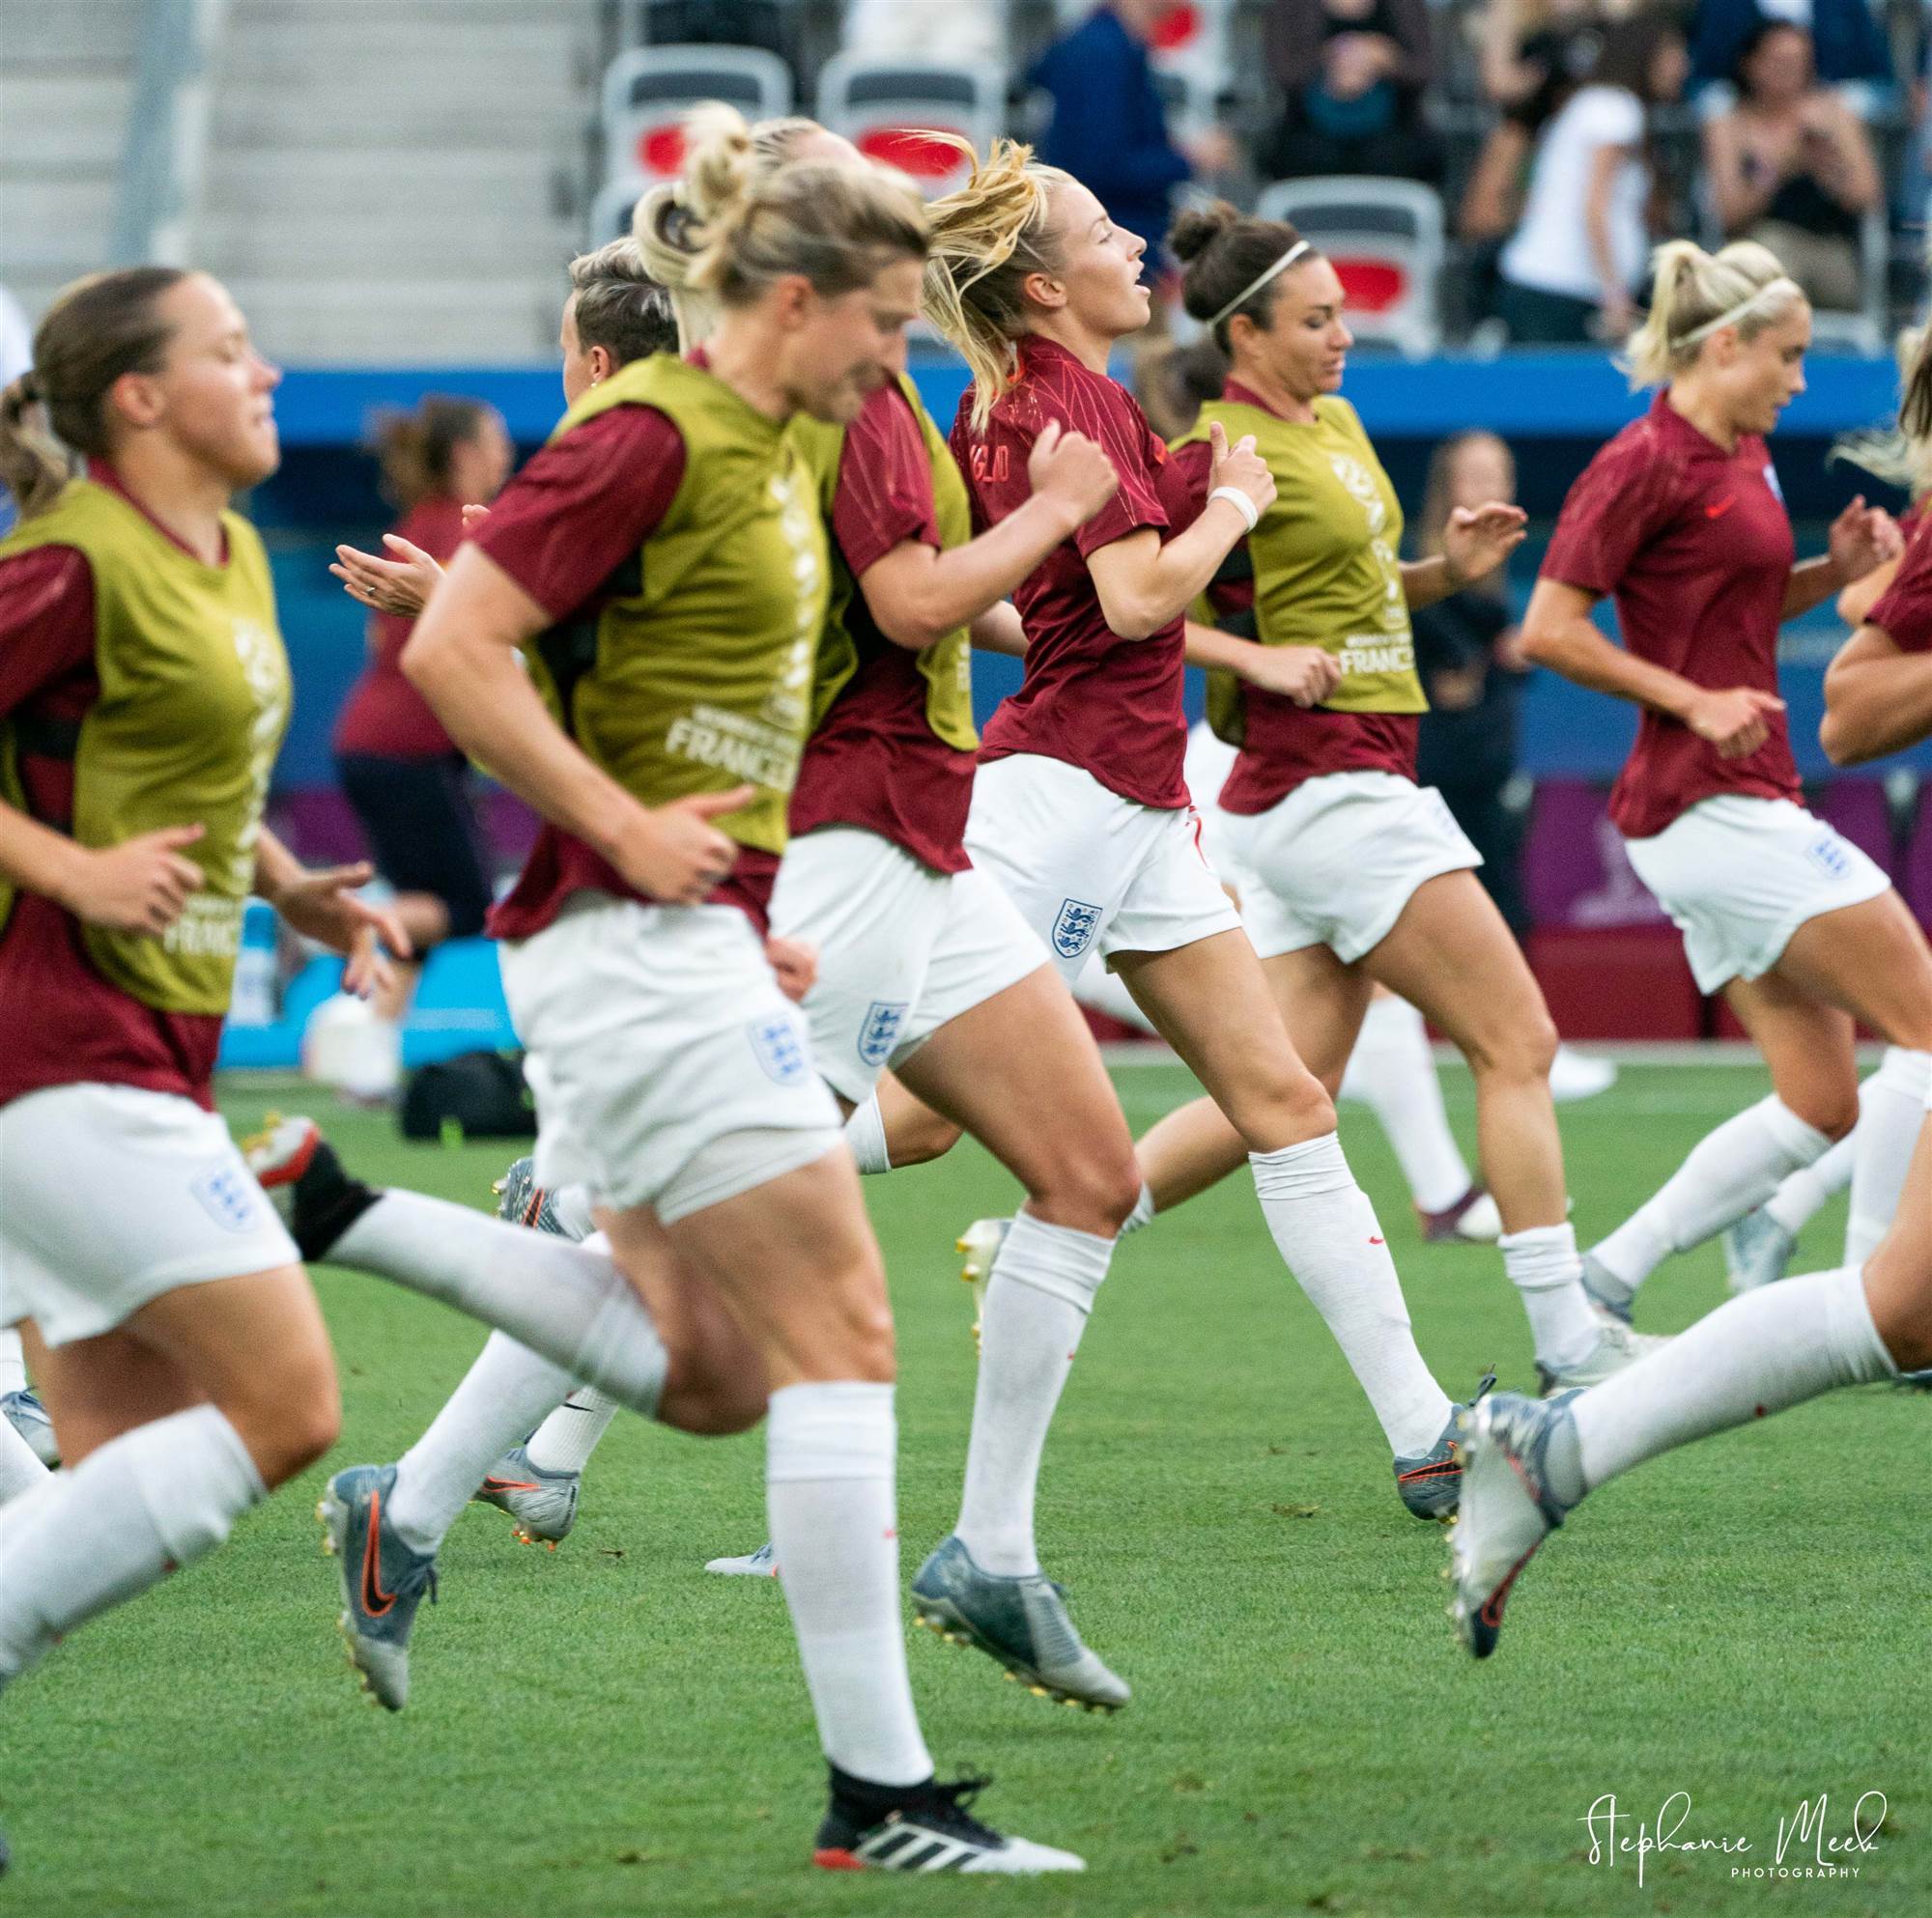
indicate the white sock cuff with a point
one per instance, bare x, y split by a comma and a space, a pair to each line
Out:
866, 1135
195, 1479
1306, 1170
1541, 1258
1799, 1141
1905, 1072
818, 1430
1055, 1259
1854, 1337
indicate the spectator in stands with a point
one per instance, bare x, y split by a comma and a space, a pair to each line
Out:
1568, 272
1532, 53
400, 770
1848, 41
1352, 72
17, 355
923, 30
1467, 652
1790, 165
1109, 125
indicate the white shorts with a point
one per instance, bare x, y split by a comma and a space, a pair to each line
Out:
1740, 875
1335, 863
111, 1195
669, 1068
1209, 761
1089, 870
901, 949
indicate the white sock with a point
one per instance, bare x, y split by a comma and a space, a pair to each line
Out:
151, 1500
502, 1396
1142, 1214
1759, 1353
1891, 1110
829, 1478
1325, 1230
20, 1467
1730, 1172
1811, 1188
1393, 1073
1544, 1266
566, 1438
567, 1302
1038, 1299
13, 1362
866, 1135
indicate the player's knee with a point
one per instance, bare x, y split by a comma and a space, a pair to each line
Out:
1832, 1110
1087, 1192
1524, 1049
919, 1138
712, 1403
290, 1430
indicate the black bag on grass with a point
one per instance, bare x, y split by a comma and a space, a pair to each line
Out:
474, 1095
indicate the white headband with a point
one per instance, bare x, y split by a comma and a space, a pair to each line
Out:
1782, 285
1248, 292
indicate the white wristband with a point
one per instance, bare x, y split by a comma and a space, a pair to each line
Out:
1250, 512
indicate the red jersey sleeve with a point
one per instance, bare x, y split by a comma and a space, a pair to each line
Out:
585, 505
1620, 501
1903, 612
884, 497
1186, 489
46, 620
1107, 414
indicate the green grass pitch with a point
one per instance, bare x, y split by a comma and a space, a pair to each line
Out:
608, 1731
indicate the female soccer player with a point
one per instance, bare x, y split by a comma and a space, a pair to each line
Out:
663, 566
1680, 519
143, 694
1079, 806
1350, 874
922, 964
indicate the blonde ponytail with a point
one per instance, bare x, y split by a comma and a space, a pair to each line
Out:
1901, 454
97, 330
34, 465
742, 216
1695, 293
986, 238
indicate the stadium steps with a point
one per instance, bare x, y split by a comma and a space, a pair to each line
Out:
399, 179
66, 79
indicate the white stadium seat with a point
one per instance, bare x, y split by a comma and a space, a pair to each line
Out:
648, 91
1385, 240
886, 107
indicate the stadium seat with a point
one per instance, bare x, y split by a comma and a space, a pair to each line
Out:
1194, 39
1385, 238
648, 91
885, 108
611, 210
770, 24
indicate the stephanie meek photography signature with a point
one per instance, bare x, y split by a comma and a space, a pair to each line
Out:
1808, 1843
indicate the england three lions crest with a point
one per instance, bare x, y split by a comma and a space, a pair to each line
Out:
879, 1035
1074, 929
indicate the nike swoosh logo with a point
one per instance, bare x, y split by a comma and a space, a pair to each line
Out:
1722, 507
1374, 1238
508, 1485
374, 1600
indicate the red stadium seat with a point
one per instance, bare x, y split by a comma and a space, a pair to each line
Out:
888, 107
1386, 239
648, 91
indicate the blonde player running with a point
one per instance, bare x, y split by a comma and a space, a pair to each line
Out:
663, 566
1680, 519
1079, 805
143, 694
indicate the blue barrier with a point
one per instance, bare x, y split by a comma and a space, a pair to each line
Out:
1542, 394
